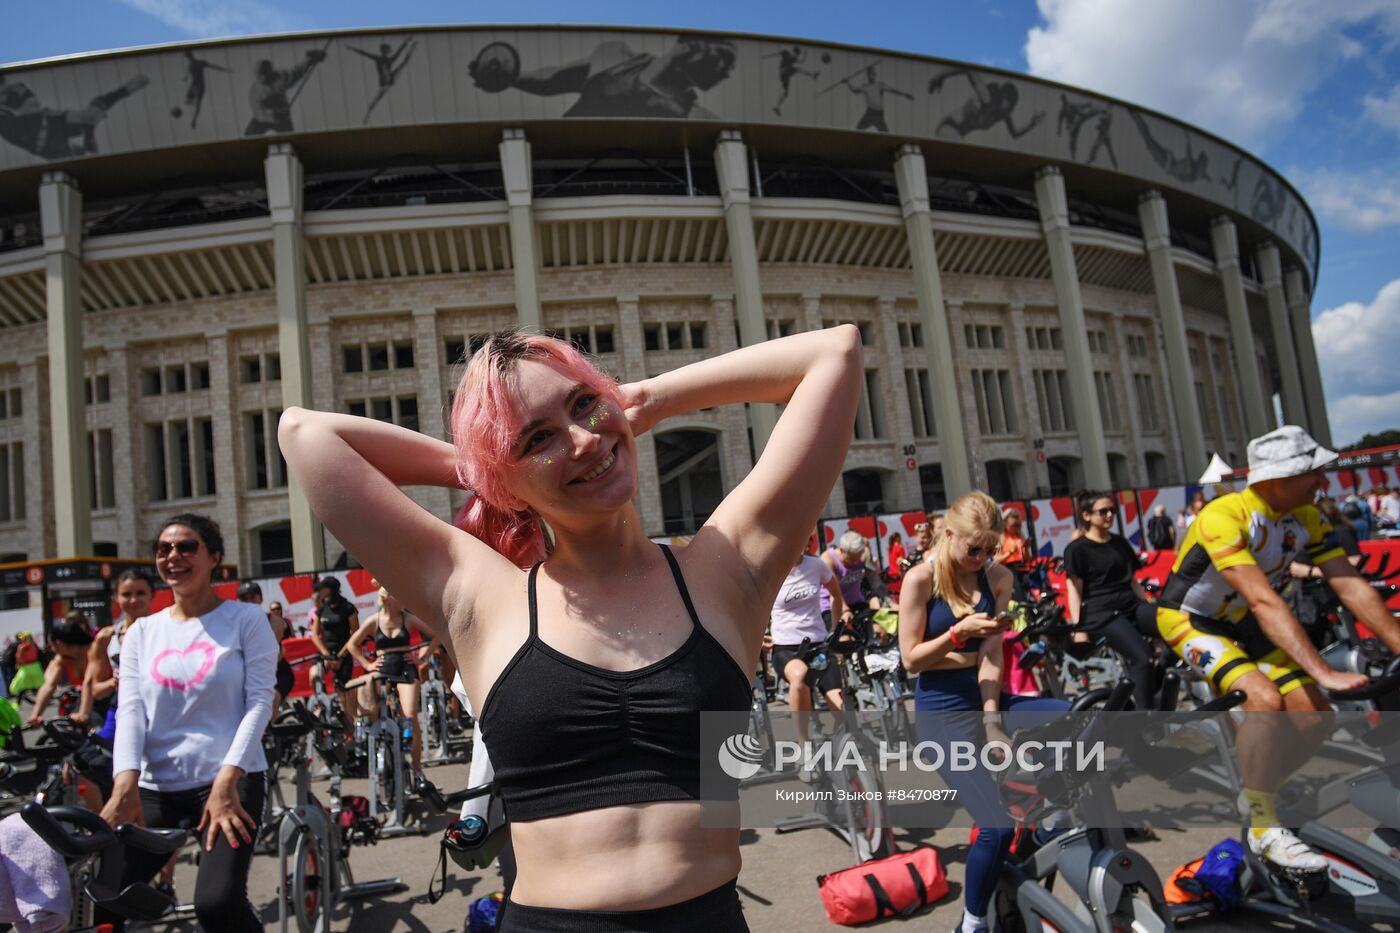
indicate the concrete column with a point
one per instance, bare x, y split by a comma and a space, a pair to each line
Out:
37, 488
516, 170
432, 405
61, 212
911, 177
1295, 409
1123, 378
811, 311
632, 342
126, 432
1023, 369
1053, 204
1156, 235
1226, 245
224, 415
732, 166
907, 494
736, 454
284, 199
1301, 318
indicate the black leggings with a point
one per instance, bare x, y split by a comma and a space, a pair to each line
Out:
1122, 635
221, 887
709, 913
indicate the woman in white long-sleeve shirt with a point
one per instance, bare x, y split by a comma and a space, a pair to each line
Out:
193, 701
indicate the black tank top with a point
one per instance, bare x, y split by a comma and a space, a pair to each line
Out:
565, 736
393, 663
335, 616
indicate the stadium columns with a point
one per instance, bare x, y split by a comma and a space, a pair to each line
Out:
1050, 198
911, 176
1318, 425
1226, 246
732, 166
1156, 235
633, 347
284, 201
61, 214
1295, 410
515, 169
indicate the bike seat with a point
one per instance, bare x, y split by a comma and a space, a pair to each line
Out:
155, 841
140, 901
90, 833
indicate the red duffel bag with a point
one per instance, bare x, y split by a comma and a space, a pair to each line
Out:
895, 886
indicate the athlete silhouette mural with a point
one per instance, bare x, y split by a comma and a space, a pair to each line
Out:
388, 62
56, 132
195, 86
873, 91
790, 62
1074, 117
274, 91
992, 102
1191, 167
615, 80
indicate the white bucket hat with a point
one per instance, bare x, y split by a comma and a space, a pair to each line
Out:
1288, 451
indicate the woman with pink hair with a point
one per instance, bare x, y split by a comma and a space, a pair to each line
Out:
590, 652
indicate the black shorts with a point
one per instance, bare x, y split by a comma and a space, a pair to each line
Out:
343, 667
709, 913
286, 680
830, 679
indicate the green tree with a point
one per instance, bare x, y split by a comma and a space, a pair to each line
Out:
1382, 439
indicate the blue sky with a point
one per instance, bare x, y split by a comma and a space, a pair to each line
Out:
1311, 86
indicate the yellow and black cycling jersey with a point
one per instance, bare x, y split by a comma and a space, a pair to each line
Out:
1233, 530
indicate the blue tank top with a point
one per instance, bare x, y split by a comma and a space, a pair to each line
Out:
941, 618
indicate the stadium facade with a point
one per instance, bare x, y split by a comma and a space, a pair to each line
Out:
1055, 288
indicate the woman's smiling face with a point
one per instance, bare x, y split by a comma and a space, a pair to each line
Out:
574, 450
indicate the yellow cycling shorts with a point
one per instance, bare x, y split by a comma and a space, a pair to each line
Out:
1222, 659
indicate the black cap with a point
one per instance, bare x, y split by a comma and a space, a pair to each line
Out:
328, 583
71, 633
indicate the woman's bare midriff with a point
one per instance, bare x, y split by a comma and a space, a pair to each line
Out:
955, 661
636, 857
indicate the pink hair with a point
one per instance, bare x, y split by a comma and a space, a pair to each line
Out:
485, 422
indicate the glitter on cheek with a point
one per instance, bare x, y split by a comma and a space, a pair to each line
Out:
542, 460
602, 412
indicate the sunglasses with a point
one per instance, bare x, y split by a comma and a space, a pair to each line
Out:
1100, 511
988, 550
187, 548
922, 526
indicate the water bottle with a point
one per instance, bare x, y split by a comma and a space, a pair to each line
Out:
470, 830
408, 732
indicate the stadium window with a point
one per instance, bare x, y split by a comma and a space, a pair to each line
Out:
407, 411
916, 385
1108, 403
674, 338
903, 334
199, 375
250, 369
454, 351
381, 409
579, 338
204, 456
651, 333
984, 337
12, 498
150, 382
104, 388
998, 338
255, 449
877, 408
603, 340
1057, 341
916, 334
403, 354
970, 336
272, 367
101, 483
476, 342
697, 336
87, 394
181, 471
174, 379
356, 408
352, 358
377, 356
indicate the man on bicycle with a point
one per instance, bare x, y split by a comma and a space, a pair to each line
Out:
1220, 610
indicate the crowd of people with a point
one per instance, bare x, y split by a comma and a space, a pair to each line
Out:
546, 577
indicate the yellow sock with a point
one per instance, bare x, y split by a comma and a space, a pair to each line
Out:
1261, 810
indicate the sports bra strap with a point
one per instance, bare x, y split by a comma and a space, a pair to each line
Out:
680, 585
534, 624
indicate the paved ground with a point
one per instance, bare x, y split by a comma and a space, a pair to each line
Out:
777, 884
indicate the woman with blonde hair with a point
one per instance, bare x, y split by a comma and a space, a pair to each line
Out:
951, 638
589, 656
396, 662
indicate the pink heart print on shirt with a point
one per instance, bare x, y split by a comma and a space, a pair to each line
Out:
178, 670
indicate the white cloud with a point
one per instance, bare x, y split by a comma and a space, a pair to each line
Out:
1385, 111
1240, 69
206, 19
1354, 416
1355, 350
1359, 202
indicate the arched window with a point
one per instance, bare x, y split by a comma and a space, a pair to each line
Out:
1004, 479
1066, 475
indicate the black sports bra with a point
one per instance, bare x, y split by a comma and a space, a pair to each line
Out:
565, 736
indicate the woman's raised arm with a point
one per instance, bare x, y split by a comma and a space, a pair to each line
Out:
350, 470
817, 376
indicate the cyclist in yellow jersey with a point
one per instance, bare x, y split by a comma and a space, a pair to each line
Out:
1221, 612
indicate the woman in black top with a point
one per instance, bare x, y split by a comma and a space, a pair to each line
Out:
1104, 597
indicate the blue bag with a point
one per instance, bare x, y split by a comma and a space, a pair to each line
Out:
481, 916
1219, 872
